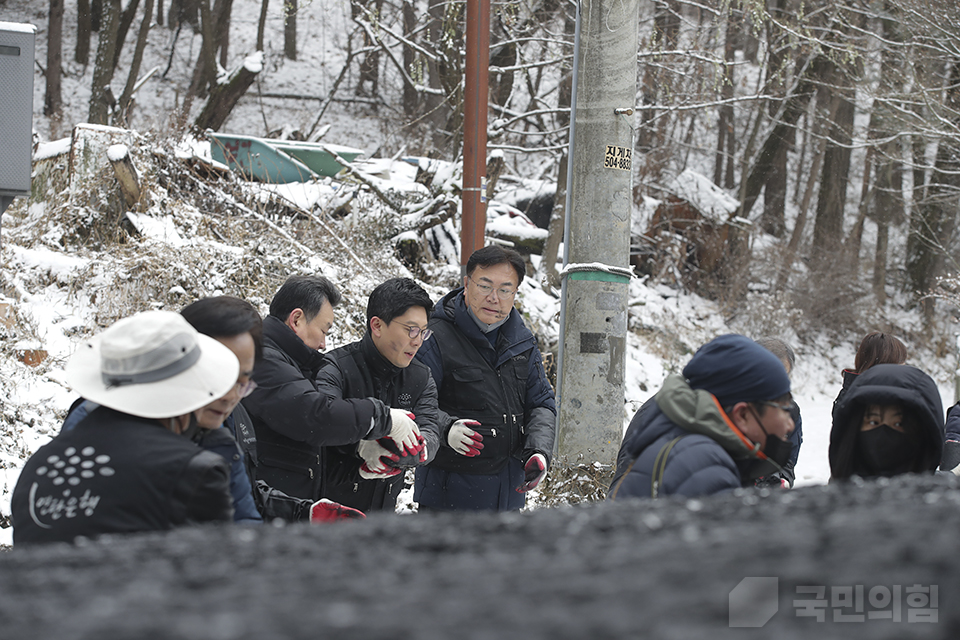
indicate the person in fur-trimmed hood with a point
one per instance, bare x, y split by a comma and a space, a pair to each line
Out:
720, 425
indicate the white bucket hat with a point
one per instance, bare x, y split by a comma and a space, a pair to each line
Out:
152, 365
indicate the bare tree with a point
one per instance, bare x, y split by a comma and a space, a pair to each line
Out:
290, 29
126, 98
82, 52
53, 99
101, 96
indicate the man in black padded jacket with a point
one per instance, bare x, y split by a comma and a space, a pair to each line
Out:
381, 365
292, 418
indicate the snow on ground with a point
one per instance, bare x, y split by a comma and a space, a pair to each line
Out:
52, 312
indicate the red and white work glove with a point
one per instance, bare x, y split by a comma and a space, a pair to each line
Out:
405, 433
324, 510
465, 440
376, 461
533, 472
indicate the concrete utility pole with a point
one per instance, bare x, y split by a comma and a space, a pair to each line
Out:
473, 221
597, 232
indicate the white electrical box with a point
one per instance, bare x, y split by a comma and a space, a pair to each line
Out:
16, 105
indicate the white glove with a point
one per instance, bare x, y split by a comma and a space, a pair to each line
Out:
465, 440
404, 431
374, 465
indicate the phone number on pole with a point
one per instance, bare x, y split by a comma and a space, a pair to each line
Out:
617, 157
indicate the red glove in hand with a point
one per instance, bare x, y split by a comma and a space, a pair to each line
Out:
377, 461
465, 440
404, 431
533, 472
324, 510
406, 458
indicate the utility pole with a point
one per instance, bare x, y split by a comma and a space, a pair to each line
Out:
596, 245
473, 221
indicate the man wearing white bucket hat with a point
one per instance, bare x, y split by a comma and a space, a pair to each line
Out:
125, 467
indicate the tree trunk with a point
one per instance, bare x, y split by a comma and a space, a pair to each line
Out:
222, 10
290, 29
205, 72
370, 65
725, 123
96, 14
828, 223
793, 107
411, 97
934, 216
223, 98
126, 98
53, 100
666, 25
126, 19
262, 24
81, 54
446, 140
772, 220
101, 97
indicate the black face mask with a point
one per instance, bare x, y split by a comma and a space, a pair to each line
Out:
777, 450
885, 451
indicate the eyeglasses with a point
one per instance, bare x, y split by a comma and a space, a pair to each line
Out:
413, 331
486, 290
786, 407
245, 388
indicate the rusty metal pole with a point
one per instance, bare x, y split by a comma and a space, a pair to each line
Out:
476, 92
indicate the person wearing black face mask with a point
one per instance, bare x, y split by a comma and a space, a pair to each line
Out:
719, 426
889, 422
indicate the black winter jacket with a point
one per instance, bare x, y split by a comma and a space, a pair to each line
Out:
504, 387
293, 419
699, 449
887, 384
117, 473
358, 370
271, 503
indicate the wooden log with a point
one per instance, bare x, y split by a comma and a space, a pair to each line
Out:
126, 173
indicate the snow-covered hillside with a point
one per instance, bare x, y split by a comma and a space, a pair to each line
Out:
68, 269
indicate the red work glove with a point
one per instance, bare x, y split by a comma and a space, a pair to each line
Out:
324, 510
533, 472
377, 461
406, 458
404, 431
465, 440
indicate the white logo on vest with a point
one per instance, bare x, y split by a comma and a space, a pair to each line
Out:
70, 470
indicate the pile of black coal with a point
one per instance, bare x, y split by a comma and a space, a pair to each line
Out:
852, 560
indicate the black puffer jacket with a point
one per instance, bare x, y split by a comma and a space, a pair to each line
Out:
293, 419
502, 385
358, 370
117, 473
887, 384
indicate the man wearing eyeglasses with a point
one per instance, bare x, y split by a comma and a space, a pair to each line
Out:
369, 475
497, 409
293, 419
719, 426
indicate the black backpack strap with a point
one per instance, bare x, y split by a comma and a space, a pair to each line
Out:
659, 466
